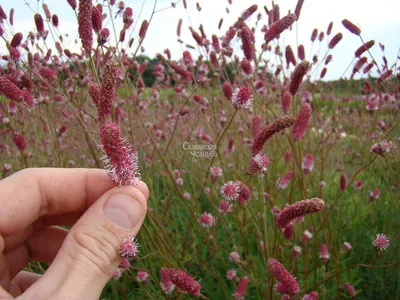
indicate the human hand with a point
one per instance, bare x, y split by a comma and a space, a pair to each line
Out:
35, 202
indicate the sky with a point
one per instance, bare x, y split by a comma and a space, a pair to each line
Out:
378, 20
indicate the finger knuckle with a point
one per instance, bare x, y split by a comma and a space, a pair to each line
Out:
97, 246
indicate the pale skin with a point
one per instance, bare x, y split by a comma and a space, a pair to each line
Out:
34, 203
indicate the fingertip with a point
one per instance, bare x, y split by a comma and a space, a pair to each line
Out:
142, 187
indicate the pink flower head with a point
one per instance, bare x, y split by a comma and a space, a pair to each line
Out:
381, 242
244, 193
276, 210
286, 102
187, 60
284, 182
262, 162
207, 220
234, 257
129, 247
72, 3
230, 191
248, 12
242, 98
227, 90
166, 284
351, 27
95, 93
203, 101
104, 35
108, 88
85, 24
19, 141
311, 296
10, 90
279, 26
287, 284
39, 24
142, 276
241, 288
288, 231
374, 195
301, 123
96, 19
16, 40
125, 263
343, 181
127, 17
246, 36
180, 279
215, 172
385, 146
358, 184
231, 274
298, 209
349, 289
308, 163
296, 251
297, 76
381, 124
323, 253
306, 236
15, 55
117, 273
372, 105
120, 158
346, 246
246, 67
225, 207
47, 73
335, 40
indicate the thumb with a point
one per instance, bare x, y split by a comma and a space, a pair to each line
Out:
89, 255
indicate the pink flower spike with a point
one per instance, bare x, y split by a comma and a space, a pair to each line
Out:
124, 264
374, 195
166, 284
308, 163
241, 288
301, 123
142, 276
120, 158
231, 274
349, 289
324, 254
129, 247
311, 296
381, 242
284, 182
117, 273
287, 284
298, 209
174, 277
225, 207
346, 246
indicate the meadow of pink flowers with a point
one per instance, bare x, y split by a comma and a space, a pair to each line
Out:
266, 182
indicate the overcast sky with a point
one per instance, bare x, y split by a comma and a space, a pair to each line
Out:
378, 20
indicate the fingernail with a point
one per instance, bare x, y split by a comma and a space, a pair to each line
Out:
123, 210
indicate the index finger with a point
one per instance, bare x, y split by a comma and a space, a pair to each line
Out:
31, 193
